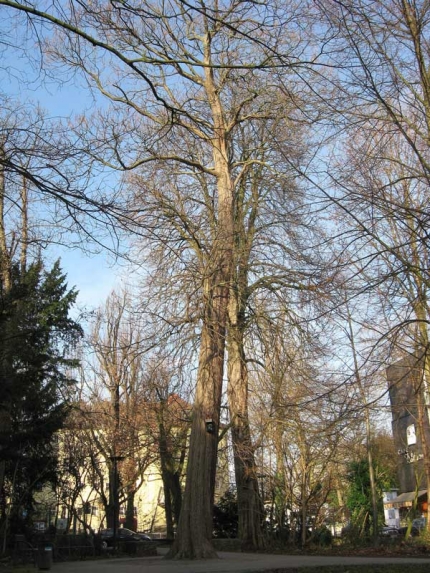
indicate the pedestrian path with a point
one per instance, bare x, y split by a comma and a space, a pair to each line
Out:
226, 563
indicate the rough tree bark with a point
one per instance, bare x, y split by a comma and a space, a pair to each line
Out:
248, 497
171, 470
195, 522
5, 283
249, 502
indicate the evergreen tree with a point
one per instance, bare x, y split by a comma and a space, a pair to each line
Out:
359, 498
226, 516
36, 334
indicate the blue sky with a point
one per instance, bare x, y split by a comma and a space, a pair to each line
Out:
93, 275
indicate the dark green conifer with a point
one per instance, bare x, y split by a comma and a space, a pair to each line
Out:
36, 336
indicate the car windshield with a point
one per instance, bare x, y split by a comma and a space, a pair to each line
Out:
125, 532
121, 531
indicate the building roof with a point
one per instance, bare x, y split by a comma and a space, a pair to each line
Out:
405, 499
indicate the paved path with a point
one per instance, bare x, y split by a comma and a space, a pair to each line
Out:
227, 563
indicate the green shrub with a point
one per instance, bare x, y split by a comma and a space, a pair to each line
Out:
226, 516
322, 537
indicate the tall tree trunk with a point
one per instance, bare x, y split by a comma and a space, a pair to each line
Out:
170, 475
195, 523
172, 499
303, 503
363, 397
168, 510
372, 479
5, 285
250, 505
420, 381
176, 493
110, 508
165, 473
280, 481
278, 373
248, 497
423, 391
5, 262
194, 535
129, 508
304, 464
166, 476
24, 225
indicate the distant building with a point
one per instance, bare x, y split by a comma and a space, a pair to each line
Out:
84, 508
391, 513
405, 385
87, 473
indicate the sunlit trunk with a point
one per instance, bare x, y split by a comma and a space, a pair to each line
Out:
195, 523
5, 262
5, 285
249, 502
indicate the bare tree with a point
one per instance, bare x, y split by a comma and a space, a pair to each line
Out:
270, 216
388, 246
168, 423
300, 439
78, 466
44, 165
183, 80
114, 404
382, 49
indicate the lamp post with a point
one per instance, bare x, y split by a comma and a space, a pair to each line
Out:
115, 497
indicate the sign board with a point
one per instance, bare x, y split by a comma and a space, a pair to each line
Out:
410, 435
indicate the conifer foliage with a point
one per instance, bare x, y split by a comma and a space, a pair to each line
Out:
36, 333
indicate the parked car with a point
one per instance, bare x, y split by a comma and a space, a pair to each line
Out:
419, 523
414, 531
122, 534
388, 531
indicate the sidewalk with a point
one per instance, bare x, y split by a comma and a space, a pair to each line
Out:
227, 563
